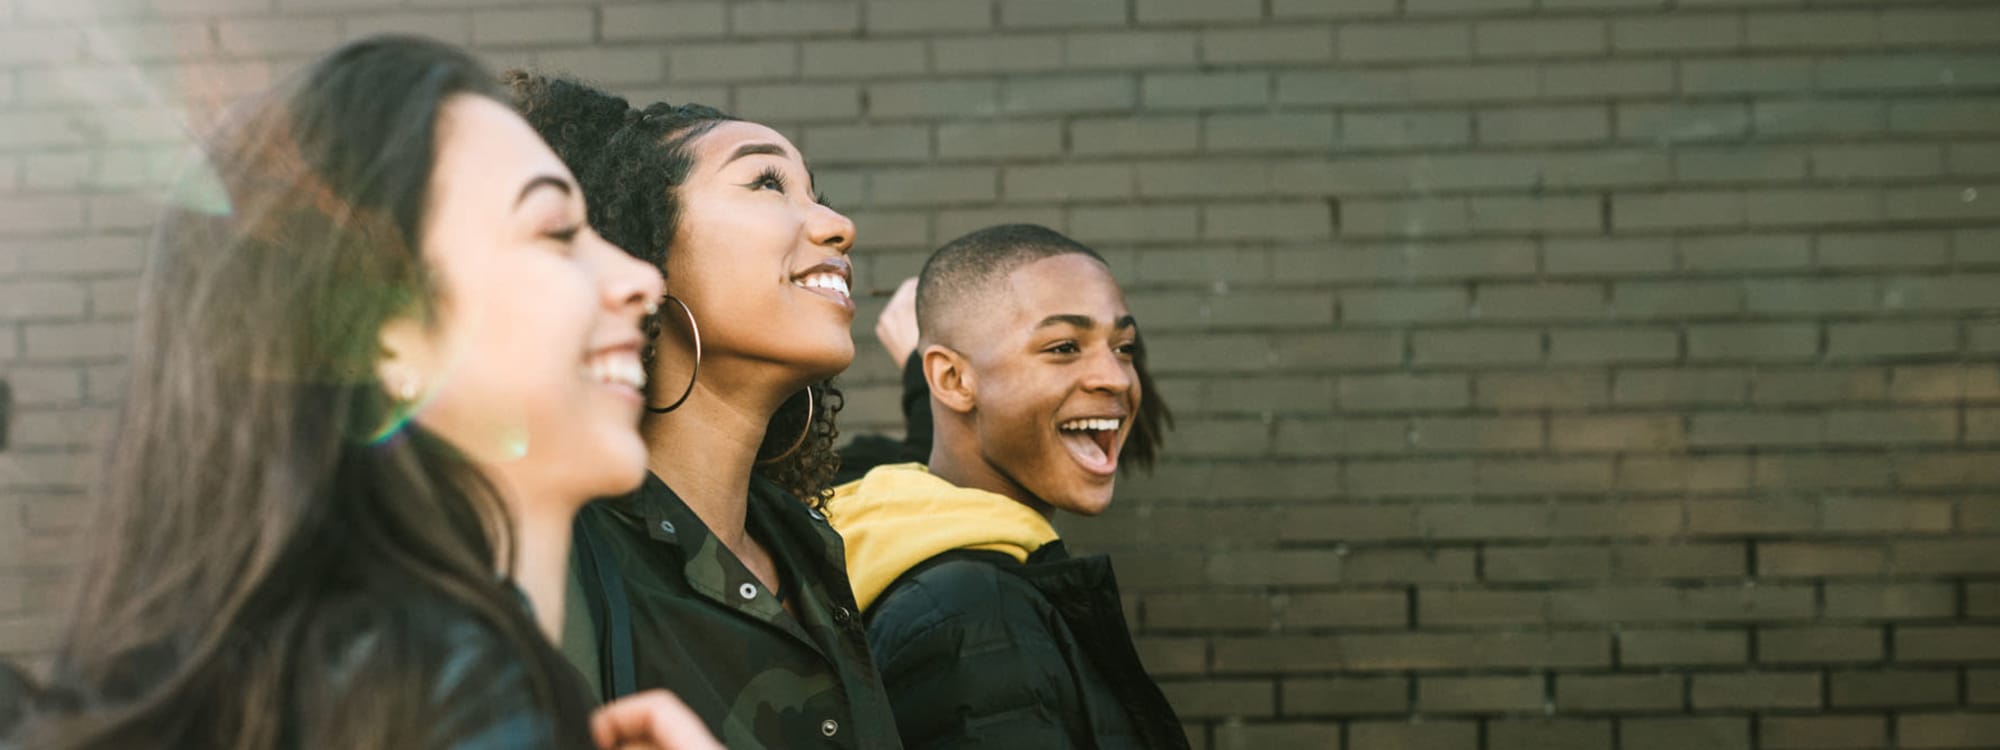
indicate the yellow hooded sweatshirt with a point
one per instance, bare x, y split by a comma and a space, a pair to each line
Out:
900, 515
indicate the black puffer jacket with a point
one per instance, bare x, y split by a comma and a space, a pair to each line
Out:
980, 651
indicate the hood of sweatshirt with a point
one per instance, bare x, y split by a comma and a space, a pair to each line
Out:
900, 515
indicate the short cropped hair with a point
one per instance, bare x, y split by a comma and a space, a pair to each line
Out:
960, 274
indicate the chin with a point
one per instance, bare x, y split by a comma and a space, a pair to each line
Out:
825, 363
1088, 503
624, 467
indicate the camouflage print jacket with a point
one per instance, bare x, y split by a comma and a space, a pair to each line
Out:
702, 626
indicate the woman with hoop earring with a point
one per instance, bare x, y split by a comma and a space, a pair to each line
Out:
719, 579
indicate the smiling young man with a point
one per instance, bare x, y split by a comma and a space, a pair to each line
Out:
986, 631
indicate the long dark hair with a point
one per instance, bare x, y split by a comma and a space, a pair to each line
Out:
273, 565
632, 163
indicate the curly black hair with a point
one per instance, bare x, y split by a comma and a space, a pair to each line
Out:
631, 163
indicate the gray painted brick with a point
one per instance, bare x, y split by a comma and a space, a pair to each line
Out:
1753, 341
1677, 33
1740, 164
765, 18
849, 144
798, 102
1503, 215
862, 59
1265, 132
1676, 123
1343, 87
1194, 11
1267, 221
1175, 91
934, 186
1334, 9
1597, 79
1063, 14
1545, 125
1760, 75
1266, 45
1845, 30
1181, 179
944, 99
733, 63
1540, 38
1129, 49
999, 140
609, 67
255, 38
1133, 223
1413, 218
1081, 94
906, 16
1938, 26
1386, 42
1482, 83
997, 54
1149, 135
1819, 117
683, 19
1395, 130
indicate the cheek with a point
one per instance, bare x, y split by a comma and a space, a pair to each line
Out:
1019, 409
528, 329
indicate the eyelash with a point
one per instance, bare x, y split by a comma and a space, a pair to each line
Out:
1128, 349
566, 234
772, 176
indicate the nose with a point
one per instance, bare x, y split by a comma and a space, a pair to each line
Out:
830, 228
627, 282
1106, 372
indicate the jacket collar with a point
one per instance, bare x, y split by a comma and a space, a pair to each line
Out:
792, 529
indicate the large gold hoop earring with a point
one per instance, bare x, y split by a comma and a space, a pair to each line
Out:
810, 413
689, 391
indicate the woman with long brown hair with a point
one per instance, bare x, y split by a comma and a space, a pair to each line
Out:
382, 360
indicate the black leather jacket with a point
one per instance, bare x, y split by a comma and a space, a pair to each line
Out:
978, 650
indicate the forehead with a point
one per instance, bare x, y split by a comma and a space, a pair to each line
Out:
484, 147
723, 140
1069, 284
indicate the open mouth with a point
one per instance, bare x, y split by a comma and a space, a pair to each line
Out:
1093, 442
831, 279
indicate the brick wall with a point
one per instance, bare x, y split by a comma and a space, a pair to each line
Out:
1551, 373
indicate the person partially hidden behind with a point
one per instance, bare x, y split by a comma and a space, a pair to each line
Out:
986, 631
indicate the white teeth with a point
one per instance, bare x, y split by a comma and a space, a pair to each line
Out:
618, 370
1091, 425
831, 281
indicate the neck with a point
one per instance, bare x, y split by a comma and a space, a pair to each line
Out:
541, 560
956, 458
706, 450
541, 551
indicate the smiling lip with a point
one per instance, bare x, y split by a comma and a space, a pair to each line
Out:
619, 369
832, 279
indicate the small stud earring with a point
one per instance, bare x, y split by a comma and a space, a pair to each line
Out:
406, 391
652, 307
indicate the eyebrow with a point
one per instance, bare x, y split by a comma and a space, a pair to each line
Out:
1084, 322
544, 180
757, 149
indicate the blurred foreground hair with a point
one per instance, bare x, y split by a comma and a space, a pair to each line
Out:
276, 544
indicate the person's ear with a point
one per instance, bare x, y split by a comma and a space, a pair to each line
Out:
952, 381
403, 342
